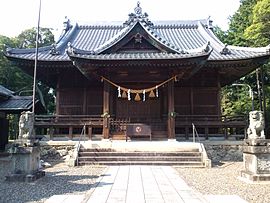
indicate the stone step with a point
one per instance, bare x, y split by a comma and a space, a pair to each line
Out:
140, 158
177, 163
182, 154
187, 150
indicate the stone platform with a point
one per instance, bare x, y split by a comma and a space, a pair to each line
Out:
256, 156
24, 164
154, 146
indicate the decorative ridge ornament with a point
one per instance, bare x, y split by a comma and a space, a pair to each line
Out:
138, 9
225, 50
138, 15
54, 50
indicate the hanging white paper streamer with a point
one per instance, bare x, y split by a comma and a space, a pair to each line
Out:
156, 91
119, 91
143, 95
128, 95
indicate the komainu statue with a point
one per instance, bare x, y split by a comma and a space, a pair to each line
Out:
26, 126
256, 125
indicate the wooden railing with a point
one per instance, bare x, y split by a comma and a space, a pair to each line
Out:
211, 120
223, 125
71, 125
57, 124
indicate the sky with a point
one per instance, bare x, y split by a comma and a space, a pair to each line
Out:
18, 15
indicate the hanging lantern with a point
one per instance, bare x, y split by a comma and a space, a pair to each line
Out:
137, 97
124, 95
152, 94
143, 95
156, 91
129, 98
119, 91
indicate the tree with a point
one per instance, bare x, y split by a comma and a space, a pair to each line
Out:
14, 78
27, 39
239, 22
258, 33
10, 76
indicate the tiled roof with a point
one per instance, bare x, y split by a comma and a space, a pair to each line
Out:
17, 103
136, 56
5, 92
178, 36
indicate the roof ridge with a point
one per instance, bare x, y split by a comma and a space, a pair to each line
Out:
10, 50
265, 49
101, 26
175, 26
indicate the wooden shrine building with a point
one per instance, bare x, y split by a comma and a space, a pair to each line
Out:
161, 76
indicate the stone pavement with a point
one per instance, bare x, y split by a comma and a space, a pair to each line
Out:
151, 184
148, 184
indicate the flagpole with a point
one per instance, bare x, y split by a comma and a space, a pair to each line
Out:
36, 59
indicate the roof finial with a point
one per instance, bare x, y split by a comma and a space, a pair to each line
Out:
66, 24
138, 9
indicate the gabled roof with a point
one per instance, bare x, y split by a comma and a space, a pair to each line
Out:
177, 37
17, 103
4, 92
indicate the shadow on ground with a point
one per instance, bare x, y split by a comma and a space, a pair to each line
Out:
54, 183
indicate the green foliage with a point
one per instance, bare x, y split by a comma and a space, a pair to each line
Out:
27, 39
239, 22
258, 33
14, 78
222, 35
249, 26
11, 76
236, 100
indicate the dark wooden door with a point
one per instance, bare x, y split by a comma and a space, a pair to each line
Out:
3, 133
148, 109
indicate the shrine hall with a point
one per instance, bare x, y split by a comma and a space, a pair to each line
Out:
139, 79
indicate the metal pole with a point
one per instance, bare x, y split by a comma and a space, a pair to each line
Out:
193, 131
36, 59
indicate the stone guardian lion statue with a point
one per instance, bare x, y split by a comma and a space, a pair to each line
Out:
256, 125
26, 126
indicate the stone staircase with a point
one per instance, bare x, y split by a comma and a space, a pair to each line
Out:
110, 156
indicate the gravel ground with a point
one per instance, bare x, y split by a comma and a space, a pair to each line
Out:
223, 180
59, 180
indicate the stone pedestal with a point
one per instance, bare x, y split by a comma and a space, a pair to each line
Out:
25, 163
256, 156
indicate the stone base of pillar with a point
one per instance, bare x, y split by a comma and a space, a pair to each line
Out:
25, 166
256, 156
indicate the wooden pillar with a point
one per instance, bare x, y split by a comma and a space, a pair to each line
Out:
171, 119
57, 105
218, 95
90, 132
70, 132
187, 132
191, 101
106, 108
206, 132
84, 101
